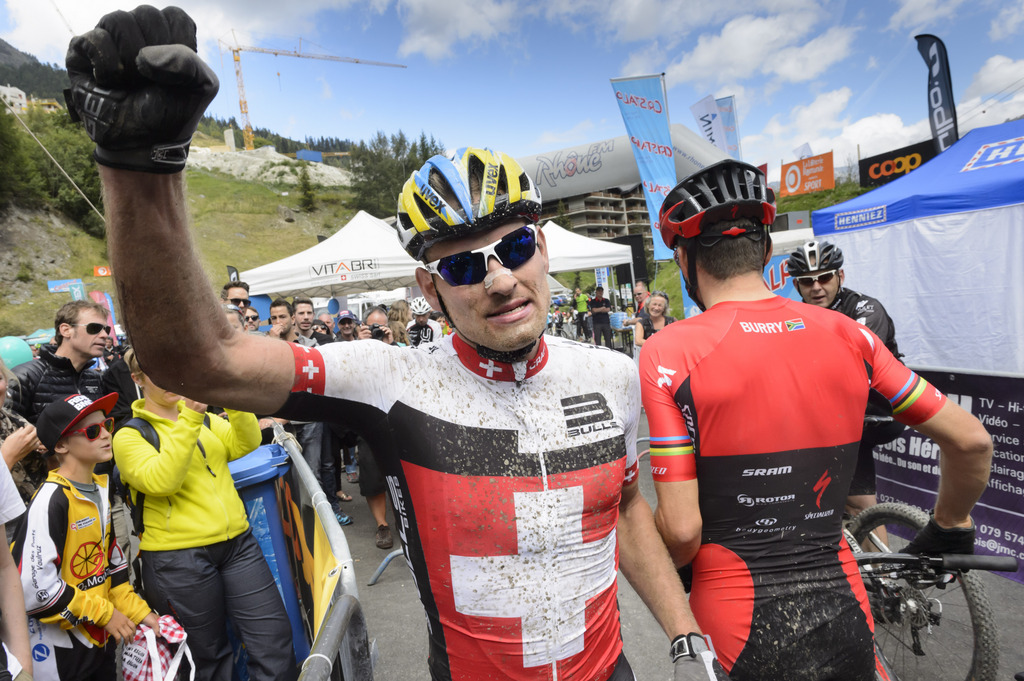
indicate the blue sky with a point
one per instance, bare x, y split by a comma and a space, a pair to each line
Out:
527, 77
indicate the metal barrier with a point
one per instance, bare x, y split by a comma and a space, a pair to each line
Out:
340, 631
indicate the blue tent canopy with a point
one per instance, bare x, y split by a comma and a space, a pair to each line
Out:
985, 169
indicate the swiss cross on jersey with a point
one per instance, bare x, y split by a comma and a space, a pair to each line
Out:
521, 566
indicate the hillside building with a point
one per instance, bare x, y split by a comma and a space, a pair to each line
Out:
15, 98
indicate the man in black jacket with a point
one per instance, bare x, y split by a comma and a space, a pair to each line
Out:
817, 272
62, 369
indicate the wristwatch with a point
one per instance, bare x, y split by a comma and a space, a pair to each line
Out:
691, 645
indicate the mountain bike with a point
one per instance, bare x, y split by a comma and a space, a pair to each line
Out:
933, 621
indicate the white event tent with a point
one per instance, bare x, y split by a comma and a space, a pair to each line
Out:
365, 255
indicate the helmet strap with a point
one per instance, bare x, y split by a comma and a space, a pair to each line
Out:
690, 279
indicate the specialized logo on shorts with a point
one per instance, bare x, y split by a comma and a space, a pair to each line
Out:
773, 327
821, 486
819, 514
587, 414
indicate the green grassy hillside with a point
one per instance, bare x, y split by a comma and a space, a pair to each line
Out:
234, 222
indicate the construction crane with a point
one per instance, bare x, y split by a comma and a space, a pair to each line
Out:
236, 51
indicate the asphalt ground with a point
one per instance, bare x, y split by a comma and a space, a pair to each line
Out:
397, 624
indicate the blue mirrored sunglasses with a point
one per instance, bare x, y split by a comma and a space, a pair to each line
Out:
470, 267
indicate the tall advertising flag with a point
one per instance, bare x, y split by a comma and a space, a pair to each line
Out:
644, 110
941, 109
709, 122
727, 113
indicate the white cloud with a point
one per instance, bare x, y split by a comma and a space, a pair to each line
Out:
552, 139
872, 63
347, 115
913, 15
434, 30
774, 46
996, 74
1009, 21
822, 124
38, 30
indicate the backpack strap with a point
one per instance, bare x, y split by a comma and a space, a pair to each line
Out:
150, 435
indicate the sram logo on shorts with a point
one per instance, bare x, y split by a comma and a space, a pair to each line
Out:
587, 414
780, 470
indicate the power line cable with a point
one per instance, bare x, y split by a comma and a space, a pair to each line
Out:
995, 97
981, 108
62, 18
47, 152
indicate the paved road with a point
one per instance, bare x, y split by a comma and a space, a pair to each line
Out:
396, 621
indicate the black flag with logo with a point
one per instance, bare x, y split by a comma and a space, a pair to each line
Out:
941, 110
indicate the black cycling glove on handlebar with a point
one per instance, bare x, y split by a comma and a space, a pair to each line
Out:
934, 540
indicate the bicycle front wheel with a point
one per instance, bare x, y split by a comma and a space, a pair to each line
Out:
926, 632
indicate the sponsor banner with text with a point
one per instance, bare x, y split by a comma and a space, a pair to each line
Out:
808, 175
941, 108
644, 109
908, 467
884, 168
730, 125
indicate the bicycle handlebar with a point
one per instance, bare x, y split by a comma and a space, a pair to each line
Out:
948, 561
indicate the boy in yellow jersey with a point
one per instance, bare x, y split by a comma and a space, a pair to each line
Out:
73, 573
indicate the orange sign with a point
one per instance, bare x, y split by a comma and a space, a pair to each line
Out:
100, 271
811, 174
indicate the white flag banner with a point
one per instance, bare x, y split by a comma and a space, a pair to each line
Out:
803, 151
709, 122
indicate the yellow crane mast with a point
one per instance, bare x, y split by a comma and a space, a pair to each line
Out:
243, 106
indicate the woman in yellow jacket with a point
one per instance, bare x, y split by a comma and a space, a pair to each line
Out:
200, 561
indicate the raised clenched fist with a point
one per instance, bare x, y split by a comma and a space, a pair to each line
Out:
140, 88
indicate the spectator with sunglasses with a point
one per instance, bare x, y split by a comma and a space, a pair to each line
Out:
62, 369
236, 293
199, 557
251, 317
73, 573
816, 268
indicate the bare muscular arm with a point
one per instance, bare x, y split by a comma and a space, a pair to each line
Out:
192, 351
645, 562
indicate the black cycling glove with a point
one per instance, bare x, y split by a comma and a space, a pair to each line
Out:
140, 88
934, 540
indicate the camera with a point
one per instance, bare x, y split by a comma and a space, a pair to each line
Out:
378, 331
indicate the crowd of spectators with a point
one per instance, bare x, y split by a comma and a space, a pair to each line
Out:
86, 358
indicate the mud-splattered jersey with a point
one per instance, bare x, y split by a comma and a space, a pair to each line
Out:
763, 403
507, 480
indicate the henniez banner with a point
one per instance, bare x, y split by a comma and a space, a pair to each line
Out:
941, 109
644, 110
907, 468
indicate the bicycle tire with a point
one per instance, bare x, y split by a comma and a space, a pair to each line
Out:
965, 610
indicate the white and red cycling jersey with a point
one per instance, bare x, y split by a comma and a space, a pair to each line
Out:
507, 481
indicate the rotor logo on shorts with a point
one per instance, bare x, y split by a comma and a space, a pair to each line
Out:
744, 500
